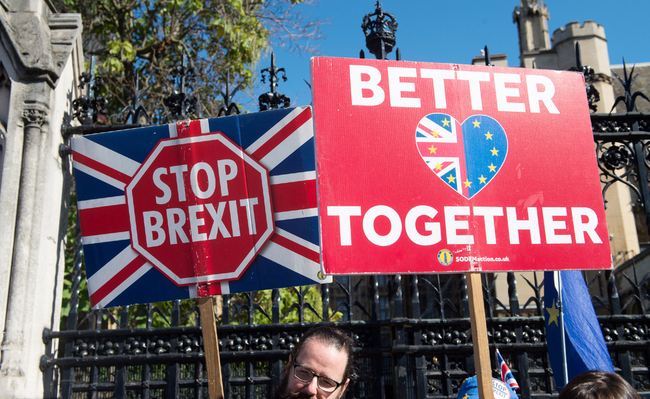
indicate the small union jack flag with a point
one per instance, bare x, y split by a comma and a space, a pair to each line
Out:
506, 374
104, 164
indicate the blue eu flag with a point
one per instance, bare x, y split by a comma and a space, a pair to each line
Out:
585, 344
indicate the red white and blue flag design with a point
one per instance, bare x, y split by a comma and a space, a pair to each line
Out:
465, 156
282, 141
506, 374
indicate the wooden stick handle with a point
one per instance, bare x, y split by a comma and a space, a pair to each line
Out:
479, 336
211, 347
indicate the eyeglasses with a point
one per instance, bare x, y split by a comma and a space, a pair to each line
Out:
305, 375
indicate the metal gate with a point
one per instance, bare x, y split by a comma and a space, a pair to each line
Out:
413, 336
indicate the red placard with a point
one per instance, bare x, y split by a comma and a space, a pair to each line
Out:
199, 209
454, 168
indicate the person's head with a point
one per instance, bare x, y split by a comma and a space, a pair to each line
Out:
598, 385
320, 365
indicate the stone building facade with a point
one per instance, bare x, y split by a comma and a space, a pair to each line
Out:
40, 61
532, 19
540, 50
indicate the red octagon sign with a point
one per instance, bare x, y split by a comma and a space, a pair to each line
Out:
200, 209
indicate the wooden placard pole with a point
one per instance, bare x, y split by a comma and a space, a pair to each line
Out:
211, 347
479, 336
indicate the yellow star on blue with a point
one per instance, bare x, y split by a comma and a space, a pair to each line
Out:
553, 313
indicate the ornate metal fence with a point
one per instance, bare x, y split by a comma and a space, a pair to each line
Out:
413, 331
413, 335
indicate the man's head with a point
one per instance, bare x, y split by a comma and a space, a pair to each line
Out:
598, 385
320, 365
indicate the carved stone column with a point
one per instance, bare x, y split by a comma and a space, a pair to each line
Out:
27, 228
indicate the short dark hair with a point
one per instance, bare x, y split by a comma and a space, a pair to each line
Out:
334, 337
598, 385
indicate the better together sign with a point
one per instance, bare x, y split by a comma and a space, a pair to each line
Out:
452, 168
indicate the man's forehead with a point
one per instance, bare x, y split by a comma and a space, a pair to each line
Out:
321, 343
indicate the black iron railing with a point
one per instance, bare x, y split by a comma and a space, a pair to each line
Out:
421, 347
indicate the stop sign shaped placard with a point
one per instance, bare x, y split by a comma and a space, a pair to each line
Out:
200, 209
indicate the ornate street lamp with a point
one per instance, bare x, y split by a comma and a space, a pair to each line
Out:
380, 33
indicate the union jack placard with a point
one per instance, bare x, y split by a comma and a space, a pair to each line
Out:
104, 165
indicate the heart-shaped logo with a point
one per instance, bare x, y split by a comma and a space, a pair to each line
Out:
465, 156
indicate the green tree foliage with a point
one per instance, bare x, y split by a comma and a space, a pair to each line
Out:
296, 305
147, 38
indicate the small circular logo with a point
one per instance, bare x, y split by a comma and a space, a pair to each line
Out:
445, 257
321, 276
501, 391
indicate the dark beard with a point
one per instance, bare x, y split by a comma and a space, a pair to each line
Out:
281, 392
290, 395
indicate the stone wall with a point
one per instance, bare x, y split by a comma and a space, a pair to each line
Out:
41, 59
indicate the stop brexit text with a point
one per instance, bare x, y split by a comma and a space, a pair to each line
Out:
176, 219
